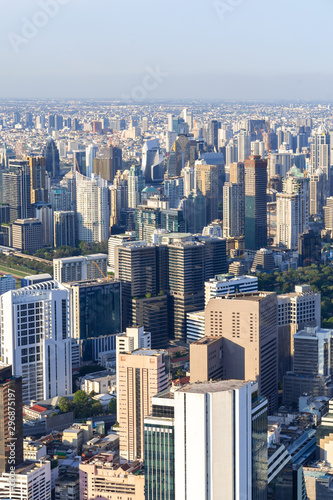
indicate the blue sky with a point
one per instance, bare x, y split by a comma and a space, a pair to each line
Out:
242, 49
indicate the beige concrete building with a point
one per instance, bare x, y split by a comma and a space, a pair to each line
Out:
141, 375
248, 324
27, 234
101, 478
206, 359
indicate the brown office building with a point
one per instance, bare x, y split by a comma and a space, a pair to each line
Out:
206, 359
11, 419
142, 374
248, 324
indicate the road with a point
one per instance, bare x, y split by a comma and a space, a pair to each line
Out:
23, 255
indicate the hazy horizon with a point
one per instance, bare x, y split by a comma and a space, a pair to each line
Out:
220, 49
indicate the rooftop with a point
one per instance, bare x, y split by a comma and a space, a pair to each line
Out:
206, 387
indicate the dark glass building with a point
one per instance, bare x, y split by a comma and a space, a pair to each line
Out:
96, 316
51, 155
255, 203
309, 249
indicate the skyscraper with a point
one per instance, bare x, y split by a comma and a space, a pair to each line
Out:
35, 339
107, 162
64, 228
39, 187
292, 210
91, 152
211, 458
92, 208
321, 156
142, 374
255, 203
152, 161
136, 183
207, 182
248, 324
51, 155
16, 187
95, 316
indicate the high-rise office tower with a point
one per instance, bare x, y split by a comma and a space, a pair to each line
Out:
328, 211
95, 316
80, 161
28, 120
136, 266
321, 156
279, 164
312, 365
184, 152
152, 161
92, 208
87, 267
233, 210
16, 118
16, 187
152, 313
226, 285
51, 121
58, 122
244, 145
296, 310
170, 140
194, 211
27, 234
36, 339
136, 183
206, 177
255, 203
118, 196
44, 213
190, 264
60, 199
317, 192
159, 434
7, 282
39, 187
11, 419
188, 174
107, 162
64, 228
174, 190
174, 470
213, 128
248, 325
91, 152
142, 374
231, 153
292, 209
210, 457
51, 155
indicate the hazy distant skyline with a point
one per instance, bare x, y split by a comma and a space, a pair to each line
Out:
227, 49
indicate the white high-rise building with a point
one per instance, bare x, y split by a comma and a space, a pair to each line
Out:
321, 155
84, 267
292, 209
244, 145
31, 480
211, 458
228, 285
91, 153
36, 339
136, 183
188, 174
92, 207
